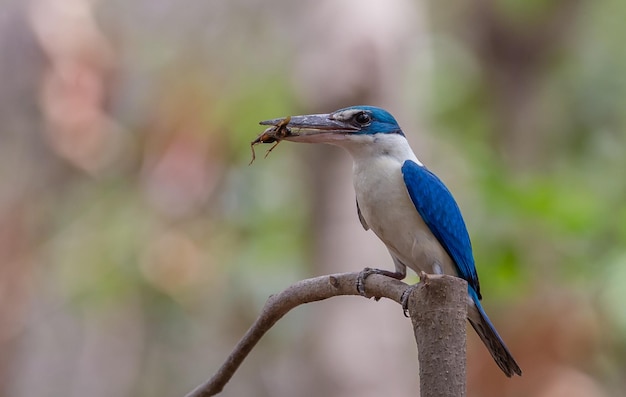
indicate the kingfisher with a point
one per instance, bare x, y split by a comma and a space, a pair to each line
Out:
406, 205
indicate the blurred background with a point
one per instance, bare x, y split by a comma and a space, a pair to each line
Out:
137, 245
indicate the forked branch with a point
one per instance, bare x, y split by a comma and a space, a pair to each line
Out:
324, 287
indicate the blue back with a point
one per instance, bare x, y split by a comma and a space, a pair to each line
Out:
442, 215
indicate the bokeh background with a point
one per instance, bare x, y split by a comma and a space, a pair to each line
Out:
137, 244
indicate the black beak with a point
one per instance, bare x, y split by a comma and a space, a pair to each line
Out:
313, 128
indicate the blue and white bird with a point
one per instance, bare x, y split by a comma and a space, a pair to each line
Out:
404, 204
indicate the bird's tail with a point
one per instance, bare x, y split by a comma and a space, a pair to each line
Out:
488, 334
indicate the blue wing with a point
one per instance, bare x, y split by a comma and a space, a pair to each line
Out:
442, 215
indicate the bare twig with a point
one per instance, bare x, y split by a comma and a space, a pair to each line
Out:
316, 289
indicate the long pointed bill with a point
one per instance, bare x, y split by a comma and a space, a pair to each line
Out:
313, 128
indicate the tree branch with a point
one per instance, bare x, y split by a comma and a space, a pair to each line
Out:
438, 308
324, 287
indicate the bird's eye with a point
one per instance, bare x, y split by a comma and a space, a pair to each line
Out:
362, 118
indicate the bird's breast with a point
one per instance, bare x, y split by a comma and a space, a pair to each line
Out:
388, 210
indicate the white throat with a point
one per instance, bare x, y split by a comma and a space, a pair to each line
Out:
366, 148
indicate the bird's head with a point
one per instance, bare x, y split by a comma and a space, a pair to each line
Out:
355, 124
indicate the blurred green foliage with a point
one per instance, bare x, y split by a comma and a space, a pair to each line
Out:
180, 223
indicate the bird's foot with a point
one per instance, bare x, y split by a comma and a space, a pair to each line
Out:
368, 271
404, 299
360, 280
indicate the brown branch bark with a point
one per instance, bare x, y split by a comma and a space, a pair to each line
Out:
438, 312
428, 322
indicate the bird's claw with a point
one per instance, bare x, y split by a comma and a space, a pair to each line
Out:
404, 298
360, 280
368, 271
